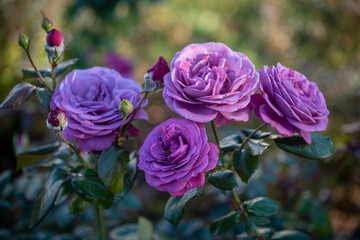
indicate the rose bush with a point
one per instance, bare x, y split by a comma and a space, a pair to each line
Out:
175, 156
208, 82
91, 100
289, 102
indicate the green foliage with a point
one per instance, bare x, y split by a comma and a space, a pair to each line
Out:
43, 95
34, 155
126, 231
18, 95
47, 197
78, 204
112, 165
129, 177
320, 148
230, 143
89, 183
257, 135
289, 235
261, 206
245, 164
224, 223
224, 180
62, 67
257, 146
145, 228
174, 209
31, 73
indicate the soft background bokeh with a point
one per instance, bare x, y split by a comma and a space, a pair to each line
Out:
319, 38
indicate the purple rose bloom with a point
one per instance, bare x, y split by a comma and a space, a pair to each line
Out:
91, 99
175, 156
208, 82
289, 102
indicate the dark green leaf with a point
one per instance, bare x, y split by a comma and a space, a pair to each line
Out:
31, 73
145, 228
224, 180
18, 95
245, 164
257, 146
64, 65
78, 204
261, 206
259, 221
5, 177
108, 202
47, 196
125, 232
229, 143
43, 95
257, 135
320, 148
250, 226
89, 183
289, 235
36, 154
224, 223
174, 209
63, 152
130, 175
112, 166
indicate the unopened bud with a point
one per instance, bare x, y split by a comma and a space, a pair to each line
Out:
24, 41
126, 107
159, 69
46, 23
57, 120
54, 38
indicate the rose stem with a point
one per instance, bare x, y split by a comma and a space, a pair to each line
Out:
250, 135
75, 150
37, 71
218, 144
53, 66
134, 112
101, 223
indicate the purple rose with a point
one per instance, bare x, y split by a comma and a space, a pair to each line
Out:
91, 100
175, 156
119, 63
208, 82
289, 102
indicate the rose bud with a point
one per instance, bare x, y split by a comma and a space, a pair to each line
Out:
24, 41
126, 107
54, 38
46, 23
159, 69
54, 46
57, 120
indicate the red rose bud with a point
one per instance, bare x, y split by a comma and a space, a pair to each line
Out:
54, 38
159, 69
57, 120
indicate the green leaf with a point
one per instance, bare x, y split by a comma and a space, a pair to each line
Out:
64, 65
43, 95
112, 166
224, 180
224, 223
5, 177
320, 148
261, 206
31, 73
108, 202
174, 209
47, 196
257, 146
289, 235
257, 135
245, 164
259, 221
129, 177
250, 226
18, 95
89, 183
36, 154
124, 232
78, 204
229, 143
145, 228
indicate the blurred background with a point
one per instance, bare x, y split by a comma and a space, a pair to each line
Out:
318, 38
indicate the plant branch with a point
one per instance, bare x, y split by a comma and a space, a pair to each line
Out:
218, 144
250, 135
37, 70
101, 222
77, 151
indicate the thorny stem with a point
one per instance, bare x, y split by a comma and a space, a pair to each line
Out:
134, 113
218, 144
75, 150
101, 222
53, 66
250, 135
37, 70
